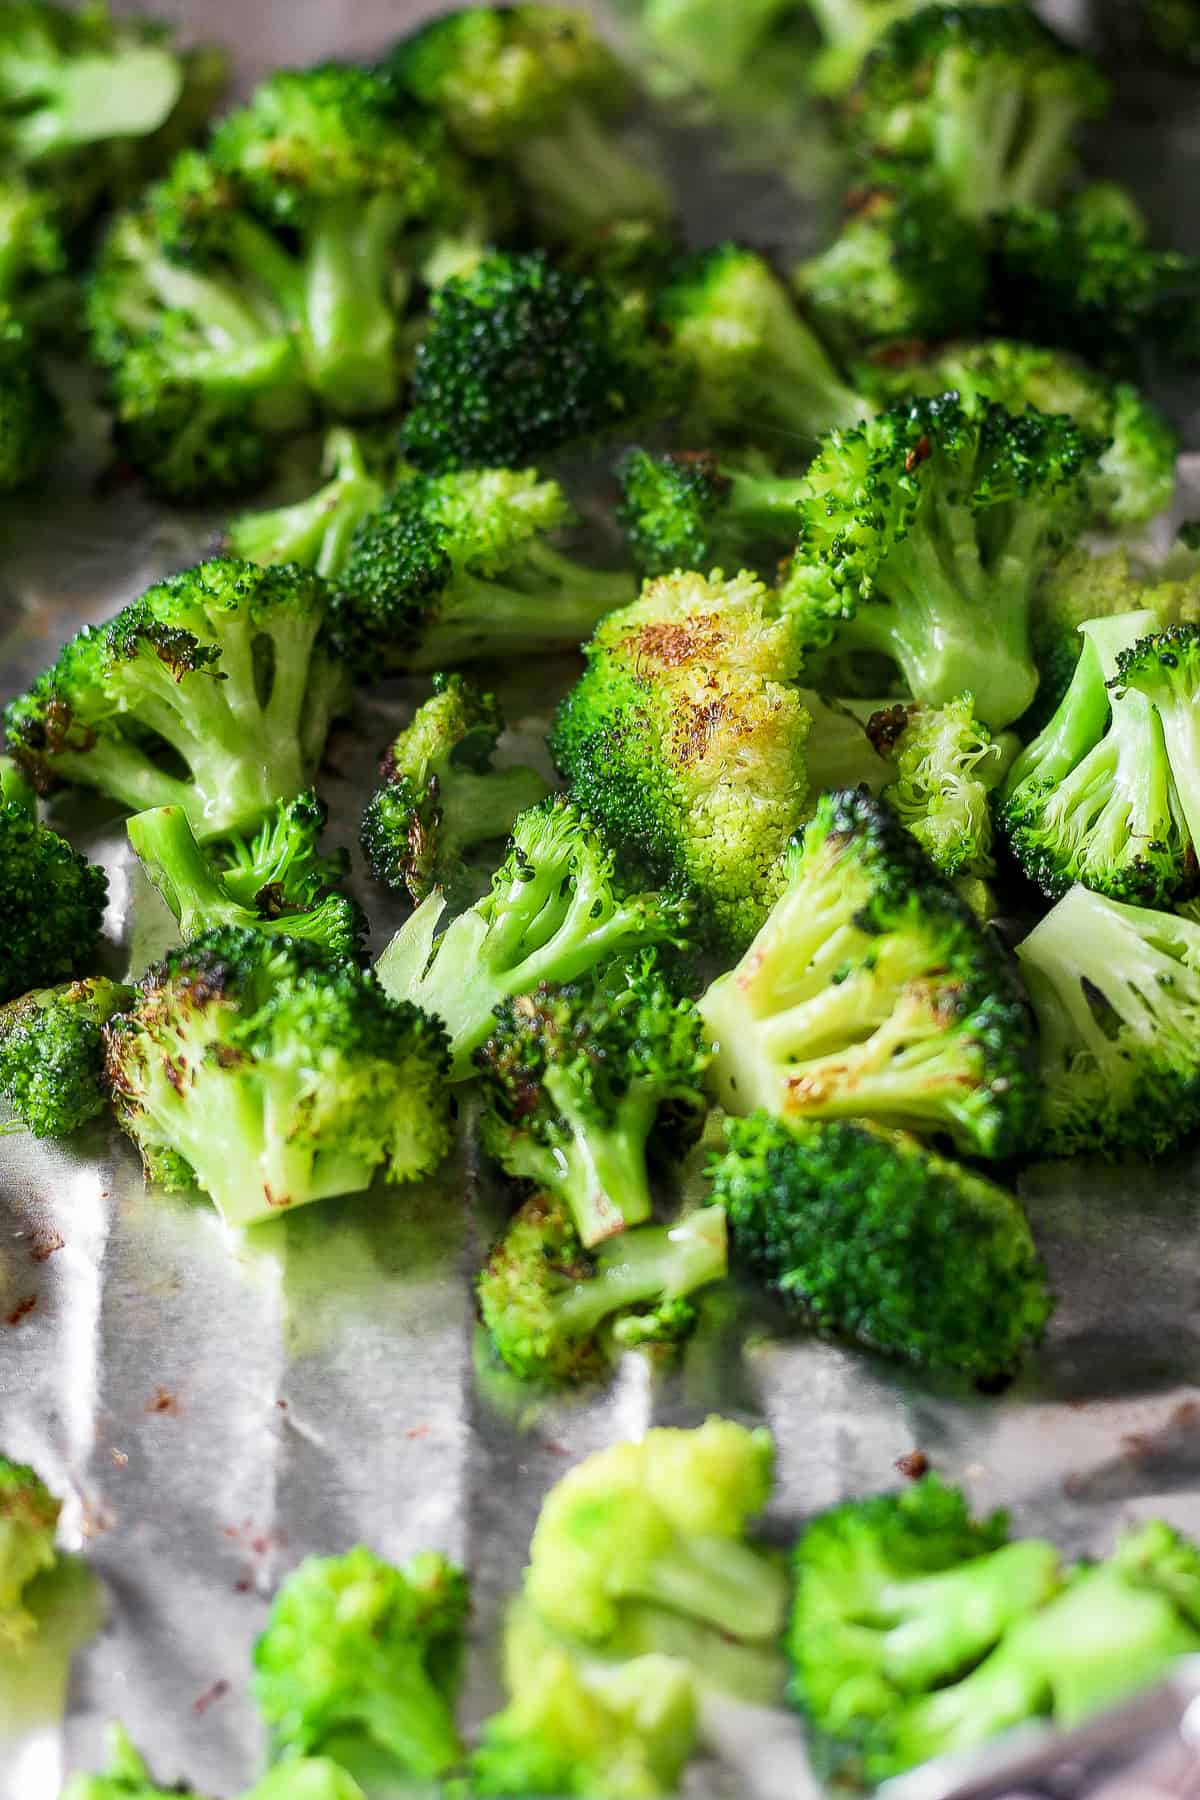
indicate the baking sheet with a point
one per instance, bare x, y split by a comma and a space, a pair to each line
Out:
215, 1410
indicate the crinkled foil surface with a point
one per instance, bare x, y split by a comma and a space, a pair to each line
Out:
215, 1410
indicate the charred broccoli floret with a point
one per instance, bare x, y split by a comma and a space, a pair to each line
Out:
316, 532
554, 913
272, 1076
872, 992
52, 1053
947, 765
440, 795
51, 898
213, 692
867, 1235
28, 1521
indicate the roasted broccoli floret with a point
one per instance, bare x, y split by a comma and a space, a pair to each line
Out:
272, 1076
28, 1521
554, 912
576, 1080
213, 692
1116, 991
523, 357
459, 568
869, 1236
51, 898
534, 87
190, 880
1092, 798
128, 1777
30, 415
947, 765
33, 253
359, 1652
661, 1521
923, 533
556, 1314
440, 794
871, 992
52, 1053
980, 101
316, 532
693, 510
282, 865
1163, 668
749, 362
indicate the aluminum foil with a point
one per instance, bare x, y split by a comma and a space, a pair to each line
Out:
215, 1409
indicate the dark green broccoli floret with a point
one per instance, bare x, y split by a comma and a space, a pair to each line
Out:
523, 357
1092, 798
578, 1079
923, 533
692, 510
440, 794
556, 1314
360, 1654
52, 1053
982, 102
282, 865
190, 881
315, 532
128, 1777
872, 992
51, 898
946, 766
1116, 991
534, 87
304, 1079
870, 1236
28, 1521
33, 254
1164, 669
553, 913
1173, 27
213, 692
30, 415
460, 568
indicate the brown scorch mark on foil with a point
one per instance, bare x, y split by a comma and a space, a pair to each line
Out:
217, 1691
22, 1309
43, 1244
913, 1465
163, 1402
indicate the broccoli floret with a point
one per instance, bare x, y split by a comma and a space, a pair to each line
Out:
923, 533
692, 510
459, 568
1116, 991
980, 101
213, 692
191, 883
127, 1777
665, 1521
272, 1076
523, 357
52, 1053
28, 1521
556, 1314
1092, 798
30, 416
872, 992
33, 254
282, 865
947, 765
316, 532
51, 898
440, 794
535, 86
554, 912
751, 364
357, 1650
722, 49
899, 1593
1164, 669
903, 266
576, 1080
869, 1236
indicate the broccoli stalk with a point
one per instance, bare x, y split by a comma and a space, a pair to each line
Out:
1163, 669
315, 532
28, 1521
52, 1054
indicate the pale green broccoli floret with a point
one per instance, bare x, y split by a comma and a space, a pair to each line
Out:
28, 1521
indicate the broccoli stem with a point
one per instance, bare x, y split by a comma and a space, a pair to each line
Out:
976, 114
350, 303
124, 771
478, 808
654, 1263
1077, 726
85, 99
807, 389
583, 179
719, 1582
602, 1172
945, 1622
315, 532
481, 619
1179, 711
180, 870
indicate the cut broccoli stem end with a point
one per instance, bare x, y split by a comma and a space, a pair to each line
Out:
476, 809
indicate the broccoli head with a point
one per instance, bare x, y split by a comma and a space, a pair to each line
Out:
51, 898
213, 692
947, 765
440, 795
554, 913
28, 1521
691, 510
273, 1076
52, 1053
315, 532
871, 1237
281, 866
872, 992
30, 415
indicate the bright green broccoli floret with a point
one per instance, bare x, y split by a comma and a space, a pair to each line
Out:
872, 992
521, 358
554, 913
982, 102
692, 510
213, 692
52, 1053
578, 1079
304, 1079
750, 363
534, 87
282, 865
190, 881
556, 1314
1163, 668
51, 898
923, 534
315, 532
30, 415
128, 1778
460, 568
28, 1521
357, 1651
440, 794
664, 1521
869, 1236
946, 767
